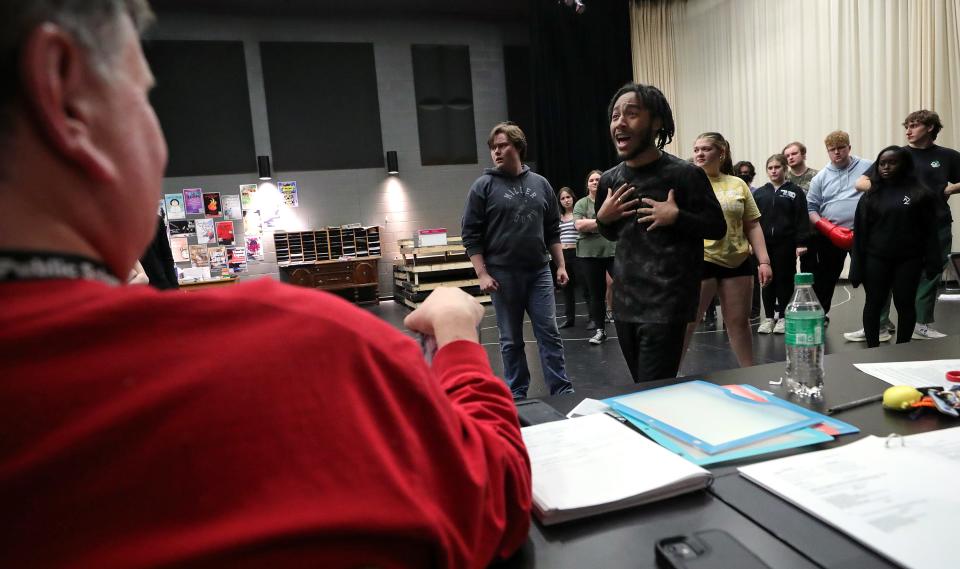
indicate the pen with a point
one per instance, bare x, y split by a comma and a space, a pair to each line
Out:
857, 403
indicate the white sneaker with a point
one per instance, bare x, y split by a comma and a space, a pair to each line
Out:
766, 327
598, 338
924, 332
781, 327
860, 336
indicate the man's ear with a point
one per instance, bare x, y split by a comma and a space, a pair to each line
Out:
63, 94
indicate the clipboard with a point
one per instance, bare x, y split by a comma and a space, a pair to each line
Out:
709, 417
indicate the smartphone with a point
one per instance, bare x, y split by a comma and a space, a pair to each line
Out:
534, 412
708, 549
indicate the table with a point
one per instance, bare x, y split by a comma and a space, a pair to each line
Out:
778, 532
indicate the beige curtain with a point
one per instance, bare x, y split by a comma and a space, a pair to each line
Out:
767, 72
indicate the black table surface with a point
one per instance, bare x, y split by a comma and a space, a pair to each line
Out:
779, 533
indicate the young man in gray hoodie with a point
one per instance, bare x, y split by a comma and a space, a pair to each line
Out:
511, 229
831, 204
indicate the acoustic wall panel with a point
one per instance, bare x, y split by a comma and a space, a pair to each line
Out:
322, 104
444, 94
203, 103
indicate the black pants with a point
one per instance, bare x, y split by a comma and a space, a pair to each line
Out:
575, 273
595, 271
808, 261
652, 351
783, 263
827, 271
880, 276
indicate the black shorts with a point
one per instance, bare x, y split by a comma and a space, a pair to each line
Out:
715, 271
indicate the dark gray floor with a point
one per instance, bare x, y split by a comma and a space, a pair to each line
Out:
603, 365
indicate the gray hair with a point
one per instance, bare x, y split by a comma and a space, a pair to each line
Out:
93, 23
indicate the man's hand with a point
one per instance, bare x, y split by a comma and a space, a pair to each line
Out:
448, 314
616, 206
951, 188
660, 213
562, 277
863, 184
801, 251
488, 283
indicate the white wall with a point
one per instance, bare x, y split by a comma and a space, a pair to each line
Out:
423, 196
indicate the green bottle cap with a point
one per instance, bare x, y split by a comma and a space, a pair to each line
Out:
803, 279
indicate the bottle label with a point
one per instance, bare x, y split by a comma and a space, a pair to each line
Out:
804, 332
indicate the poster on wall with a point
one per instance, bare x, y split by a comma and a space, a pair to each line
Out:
288, 190
248, 193
236, 259
211, 204
181, 226
199, 256
218, 256
254, 247
225, 232
192, 200
205, 231
231, 206
252, 224
179, 249
173, 203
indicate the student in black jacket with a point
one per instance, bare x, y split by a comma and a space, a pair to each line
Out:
894, 241
786, 228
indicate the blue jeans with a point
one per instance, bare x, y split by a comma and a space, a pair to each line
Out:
530, 291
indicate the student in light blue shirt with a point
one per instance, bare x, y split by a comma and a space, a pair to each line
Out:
831, 204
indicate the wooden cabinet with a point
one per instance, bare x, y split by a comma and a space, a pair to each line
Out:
354, 279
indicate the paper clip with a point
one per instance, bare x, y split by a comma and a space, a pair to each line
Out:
894, 437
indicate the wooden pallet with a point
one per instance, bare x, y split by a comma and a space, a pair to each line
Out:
423, 269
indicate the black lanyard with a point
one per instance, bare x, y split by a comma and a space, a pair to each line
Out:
34, 265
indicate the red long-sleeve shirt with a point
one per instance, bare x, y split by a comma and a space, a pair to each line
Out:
256, 425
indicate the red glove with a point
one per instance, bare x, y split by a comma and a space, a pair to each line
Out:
839, 236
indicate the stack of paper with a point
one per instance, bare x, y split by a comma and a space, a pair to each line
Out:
895, 497
595, 464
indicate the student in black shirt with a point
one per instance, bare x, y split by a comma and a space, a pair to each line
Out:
786, 228
659, 209
894, 241
938, 169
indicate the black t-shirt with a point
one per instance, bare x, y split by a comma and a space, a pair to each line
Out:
896, 223
937, 166
657, 272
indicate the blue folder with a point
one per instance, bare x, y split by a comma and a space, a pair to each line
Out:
709, 417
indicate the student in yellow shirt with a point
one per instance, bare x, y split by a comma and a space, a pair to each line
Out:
727, 264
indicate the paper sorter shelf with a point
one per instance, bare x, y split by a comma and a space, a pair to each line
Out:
709, 417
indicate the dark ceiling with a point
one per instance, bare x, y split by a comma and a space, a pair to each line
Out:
501, 10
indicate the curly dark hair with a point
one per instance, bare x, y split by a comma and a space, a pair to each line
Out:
653, 100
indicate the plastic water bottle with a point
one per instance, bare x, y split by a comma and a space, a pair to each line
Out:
804, 339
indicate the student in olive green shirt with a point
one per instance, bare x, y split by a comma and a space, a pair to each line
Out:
595, 254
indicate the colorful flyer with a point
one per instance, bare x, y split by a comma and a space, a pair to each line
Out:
236, 259
179, 249
192, 200
254, 247
173, 203
218, 256
231, 206
211, 204
181, 226
225, 232
248, 194
289, 192
206, 232
199, 256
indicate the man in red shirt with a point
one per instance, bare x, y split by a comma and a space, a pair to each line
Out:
131, 436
